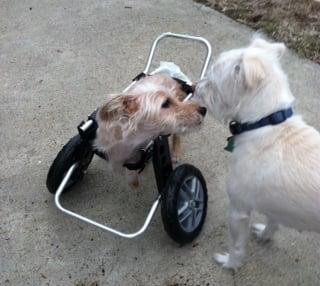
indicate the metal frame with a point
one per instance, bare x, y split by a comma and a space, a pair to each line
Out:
183, 37
161, 156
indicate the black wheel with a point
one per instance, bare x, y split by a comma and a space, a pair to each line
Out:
184, 204
76, 150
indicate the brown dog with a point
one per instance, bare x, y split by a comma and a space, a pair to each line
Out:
151, 107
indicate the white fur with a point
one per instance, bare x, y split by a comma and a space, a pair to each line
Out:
274, 170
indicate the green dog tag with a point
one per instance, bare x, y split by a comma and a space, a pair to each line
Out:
230, 144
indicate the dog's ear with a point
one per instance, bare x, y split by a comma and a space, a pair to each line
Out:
251, 71
130, 104
277, 49
118, 104
111, 108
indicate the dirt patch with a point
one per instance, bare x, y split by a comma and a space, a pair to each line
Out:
297, 23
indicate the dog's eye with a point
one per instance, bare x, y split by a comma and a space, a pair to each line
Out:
166, 104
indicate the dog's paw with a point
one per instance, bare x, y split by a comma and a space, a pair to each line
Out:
258, 230
175, 157
221, 258
226, 261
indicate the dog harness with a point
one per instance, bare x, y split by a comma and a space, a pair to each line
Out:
237, 128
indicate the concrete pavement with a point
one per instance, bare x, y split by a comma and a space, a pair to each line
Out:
58, 60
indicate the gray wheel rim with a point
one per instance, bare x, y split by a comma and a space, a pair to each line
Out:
190, 204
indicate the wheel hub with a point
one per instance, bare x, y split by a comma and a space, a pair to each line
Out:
190, 204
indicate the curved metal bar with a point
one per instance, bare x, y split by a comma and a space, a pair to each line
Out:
184, 37
97, 224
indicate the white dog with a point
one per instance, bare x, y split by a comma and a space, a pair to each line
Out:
275, 163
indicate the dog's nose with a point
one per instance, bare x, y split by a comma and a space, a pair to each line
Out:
202, 111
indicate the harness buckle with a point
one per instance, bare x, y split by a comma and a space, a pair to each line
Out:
235, 128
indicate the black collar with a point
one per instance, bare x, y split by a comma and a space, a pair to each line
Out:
275, 118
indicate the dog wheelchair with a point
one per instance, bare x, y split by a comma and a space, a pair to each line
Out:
182, 191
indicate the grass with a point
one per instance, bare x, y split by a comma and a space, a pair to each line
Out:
296, 23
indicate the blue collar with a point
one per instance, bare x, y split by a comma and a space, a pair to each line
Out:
275, 118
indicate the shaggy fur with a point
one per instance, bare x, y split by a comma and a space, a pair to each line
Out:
130, 120
274, 170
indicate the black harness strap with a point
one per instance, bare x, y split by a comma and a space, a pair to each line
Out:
187, 88
139, 76
184, 86
145, 156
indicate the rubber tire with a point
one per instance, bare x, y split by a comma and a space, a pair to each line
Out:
169, 210
76, 150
